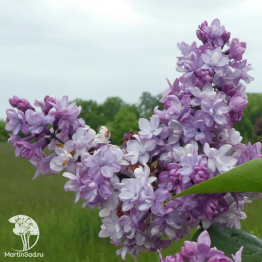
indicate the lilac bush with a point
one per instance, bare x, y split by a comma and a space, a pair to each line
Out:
190, 141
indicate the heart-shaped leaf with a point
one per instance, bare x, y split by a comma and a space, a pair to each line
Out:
243, 178
230, 240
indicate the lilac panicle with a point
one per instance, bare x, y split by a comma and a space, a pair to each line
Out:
188, 142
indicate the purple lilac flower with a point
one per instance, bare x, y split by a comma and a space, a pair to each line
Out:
103, 162
196, 128
16, 122
243, 70
137, 150
206, 92
216, 111
137, 190
200, 251
214, 59
82, 140
237, 49
219, 159
214, 34
186, 143
37, 121
204, 76
66, 114
149, 129
189, 64
44, 103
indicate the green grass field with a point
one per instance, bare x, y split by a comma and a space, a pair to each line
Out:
68, 233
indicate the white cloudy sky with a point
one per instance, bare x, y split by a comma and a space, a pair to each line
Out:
92, 49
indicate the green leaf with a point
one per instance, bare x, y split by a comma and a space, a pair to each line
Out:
230, 240
243, 178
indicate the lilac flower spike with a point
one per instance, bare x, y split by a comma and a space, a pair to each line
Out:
188, 142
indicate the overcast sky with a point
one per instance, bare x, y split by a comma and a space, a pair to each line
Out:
93, 49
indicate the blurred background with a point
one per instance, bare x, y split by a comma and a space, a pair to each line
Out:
112, 57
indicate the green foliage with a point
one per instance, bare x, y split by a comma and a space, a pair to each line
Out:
3, 133
111, 107
252, 114
125, 120
92, 113
147, 103
230, 240
243, 178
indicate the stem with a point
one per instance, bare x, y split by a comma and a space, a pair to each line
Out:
59, 140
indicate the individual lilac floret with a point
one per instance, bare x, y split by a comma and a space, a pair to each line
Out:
61, 161
137, 150
82, 140
37, 121
134, 190
149, 129
214, 59
20, 103
200, 251
219, 159
237, 49
206, 92
16, 122
204, 76
42, 163
103, 136
74, 184
243, 69
65, 114
44, 103
189, 64
216, 111
104, 162
196, 128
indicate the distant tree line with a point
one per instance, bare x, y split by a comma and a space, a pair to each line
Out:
120, 117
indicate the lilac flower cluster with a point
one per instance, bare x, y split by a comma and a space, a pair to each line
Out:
200, 251
191, 140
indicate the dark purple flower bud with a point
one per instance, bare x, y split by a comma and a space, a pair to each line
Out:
199, 175
20, 103
237, 49
44, 103
190, 249
204, 76
237, 103
176, 258
201, 36
230, 90
225, 37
